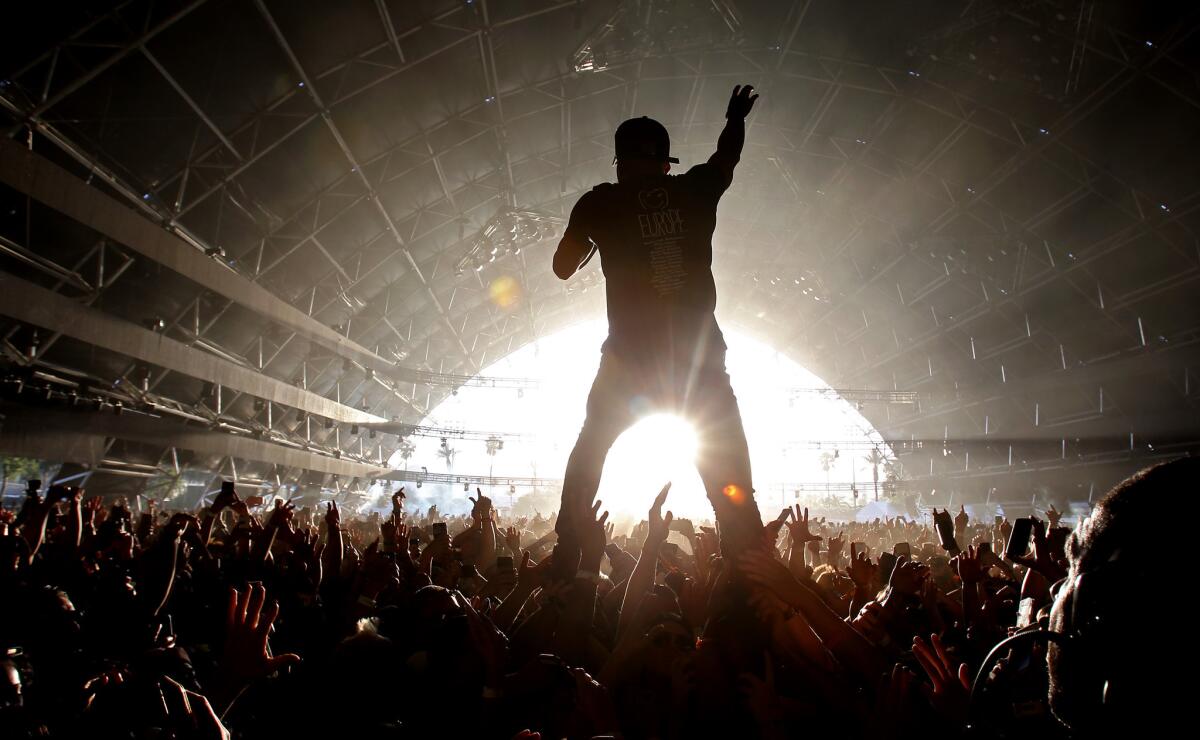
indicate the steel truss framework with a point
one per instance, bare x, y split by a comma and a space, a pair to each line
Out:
892, 317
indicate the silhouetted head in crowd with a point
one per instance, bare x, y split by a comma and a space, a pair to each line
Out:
1114, 672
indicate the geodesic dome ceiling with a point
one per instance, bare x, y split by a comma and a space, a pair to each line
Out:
990, 204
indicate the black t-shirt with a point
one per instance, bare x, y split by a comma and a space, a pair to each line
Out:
655, 242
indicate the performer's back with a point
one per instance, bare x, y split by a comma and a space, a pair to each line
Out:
654, 236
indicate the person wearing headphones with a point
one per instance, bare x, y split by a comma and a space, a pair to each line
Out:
1109, 674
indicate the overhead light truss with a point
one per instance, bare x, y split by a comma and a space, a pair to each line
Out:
506, 234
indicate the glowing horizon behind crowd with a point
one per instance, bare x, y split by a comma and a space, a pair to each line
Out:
659, 447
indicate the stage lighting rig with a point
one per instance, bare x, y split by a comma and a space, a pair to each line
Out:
859, 396
405, 430
494, 445
506, 234
632, 33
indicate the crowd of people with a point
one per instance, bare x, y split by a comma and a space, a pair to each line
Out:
275, 621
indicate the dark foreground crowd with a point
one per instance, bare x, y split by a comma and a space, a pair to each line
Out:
282, 622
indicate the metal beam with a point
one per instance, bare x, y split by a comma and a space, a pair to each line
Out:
1160, 365
336, 69
1128, 462
35, 113
194, 241
386, 19
191, 103
73, 39
33, 304
421, 476
491, 83
1055, 132
334, 131
37, 177
1092, 253
24, 426
280, 102
41, 442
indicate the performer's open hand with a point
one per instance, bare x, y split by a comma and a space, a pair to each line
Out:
741, 101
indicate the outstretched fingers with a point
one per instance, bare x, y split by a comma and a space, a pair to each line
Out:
231, 608
942, 655
928, 663
267, 619
661, 498
254, 605
964, 676
745, 92
276, 662
243, 600
932, 662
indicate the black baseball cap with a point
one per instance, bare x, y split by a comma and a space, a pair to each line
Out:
643, 138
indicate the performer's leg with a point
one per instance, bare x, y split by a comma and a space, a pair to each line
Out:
723, 459
608, 415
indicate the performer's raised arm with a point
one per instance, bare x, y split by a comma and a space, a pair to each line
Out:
733, 136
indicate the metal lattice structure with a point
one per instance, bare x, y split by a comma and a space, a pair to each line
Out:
987, 209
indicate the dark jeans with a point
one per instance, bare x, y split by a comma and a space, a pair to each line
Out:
699, 392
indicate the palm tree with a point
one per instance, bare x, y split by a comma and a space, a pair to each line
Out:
447, 453
407, 448
494, 445
827, 459
875, 459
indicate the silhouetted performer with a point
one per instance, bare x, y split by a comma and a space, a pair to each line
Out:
664, 349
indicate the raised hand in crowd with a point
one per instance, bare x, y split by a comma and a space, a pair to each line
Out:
282, 515
949, 686
861, 570
659, 525
834, 552
798, 527
961, 520
512, 540
246, 655
772, 528
908, 576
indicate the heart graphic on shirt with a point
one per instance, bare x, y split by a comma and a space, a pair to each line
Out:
653, 199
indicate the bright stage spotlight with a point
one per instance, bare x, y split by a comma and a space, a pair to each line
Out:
656, 449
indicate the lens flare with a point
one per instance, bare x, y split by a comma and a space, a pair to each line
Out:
735, 494
504, 291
